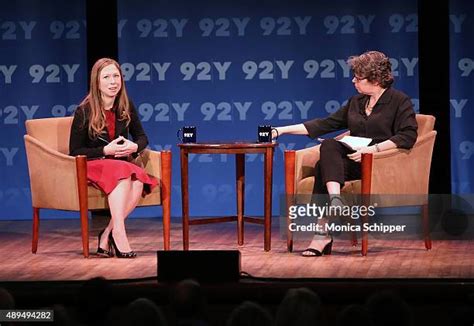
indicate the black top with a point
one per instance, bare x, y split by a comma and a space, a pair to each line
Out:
81, 144
392, 118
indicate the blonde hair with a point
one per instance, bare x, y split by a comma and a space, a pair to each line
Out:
94, 99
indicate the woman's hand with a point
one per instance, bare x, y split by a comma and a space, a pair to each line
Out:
126, 148
357, 156
276, 132
120, 147
111, 148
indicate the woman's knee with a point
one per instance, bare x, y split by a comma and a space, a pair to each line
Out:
329, 145
137, 183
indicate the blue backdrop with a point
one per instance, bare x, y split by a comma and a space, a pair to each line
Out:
228, 66
224, 66
42, 74
462, 96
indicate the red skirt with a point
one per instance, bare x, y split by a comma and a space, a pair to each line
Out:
106, 173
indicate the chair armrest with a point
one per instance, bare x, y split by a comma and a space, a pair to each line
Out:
298, 165
152, 162
158, 164
306, 159
401, 171
53, 176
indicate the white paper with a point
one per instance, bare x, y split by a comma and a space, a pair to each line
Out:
354, 142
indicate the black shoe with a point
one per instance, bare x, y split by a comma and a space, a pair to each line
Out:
102, 252
118, 253
327, 249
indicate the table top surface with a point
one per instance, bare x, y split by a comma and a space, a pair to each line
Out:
227, 145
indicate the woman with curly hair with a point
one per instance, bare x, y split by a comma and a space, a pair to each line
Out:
379, 112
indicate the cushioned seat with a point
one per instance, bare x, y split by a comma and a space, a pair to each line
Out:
58, 181
394, 172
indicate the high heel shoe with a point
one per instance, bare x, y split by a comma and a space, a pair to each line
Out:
328, 247
103, 252
118, 253
312, 252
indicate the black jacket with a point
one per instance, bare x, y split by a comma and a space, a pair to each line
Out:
392, 118
81, 144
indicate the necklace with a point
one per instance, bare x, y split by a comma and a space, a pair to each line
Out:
368, 107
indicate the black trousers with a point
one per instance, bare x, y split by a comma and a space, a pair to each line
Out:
334, 165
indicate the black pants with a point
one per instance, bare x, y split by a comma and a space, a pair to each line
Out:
334, 165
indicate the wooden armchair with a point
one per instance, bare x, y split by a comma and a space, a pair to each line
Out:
392, 172
59, 181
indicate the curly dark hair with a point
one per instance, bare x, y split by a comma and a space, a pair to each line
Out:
373, 65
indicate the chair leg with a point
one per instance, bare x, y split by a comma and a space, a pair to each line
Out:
290, 161
354, 239
34, 244
240, 190
426, 226
365, 233
365, 243
166, 196
81, 169
85, 232
166, 225
366, 184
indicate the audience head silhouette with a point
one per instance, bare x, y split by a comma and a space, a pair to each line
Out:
143, 311
354, 315
61, 315
189, 302
94, 301
249, 313
388, 308
6, 300
301, 307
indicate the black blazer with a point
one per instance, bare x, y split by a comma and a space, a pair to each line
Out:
81, 144
393, 118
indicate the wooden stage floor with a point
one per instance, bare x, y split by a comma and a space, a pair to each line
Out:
59, 256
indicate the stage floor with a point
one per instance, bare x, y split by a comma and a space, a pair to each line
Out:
60, 257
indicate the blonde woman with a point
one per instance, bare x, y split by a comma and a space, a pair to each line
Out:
100, 130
